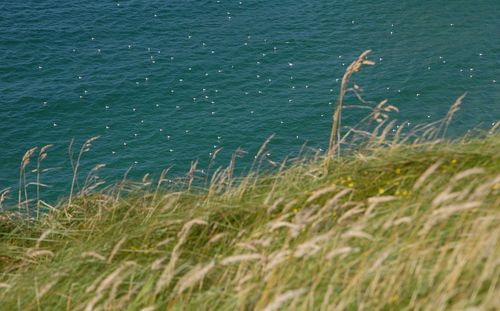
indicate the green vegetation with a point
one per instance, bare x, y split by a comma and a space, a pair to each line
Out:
400, 222
406, 227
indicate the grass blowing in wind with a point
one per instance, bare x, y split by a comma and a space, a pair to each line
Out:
401, 220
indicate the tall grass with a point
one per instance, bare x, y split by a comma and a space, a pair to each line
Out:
403, 221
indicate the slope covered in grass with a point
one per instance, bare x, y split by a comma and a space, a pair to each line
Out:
407, 227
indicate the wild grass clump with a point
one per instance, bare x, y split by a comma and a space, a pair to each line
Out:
394, 223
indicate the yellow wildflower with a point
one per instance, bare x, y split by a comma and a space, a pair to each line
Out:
351, 185
381, 190
398, 170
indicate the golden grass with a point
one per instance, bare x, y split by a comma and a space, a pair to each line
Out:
392, 225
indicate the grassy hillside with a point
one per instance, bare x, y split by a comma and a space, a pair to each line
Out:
406, 227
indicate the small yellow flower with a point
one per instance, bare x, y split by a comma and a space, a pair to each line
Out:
351, 185
349, 178
381, 190
295, 211
398, 170
405, 193
397, 192
454, 161
394, 298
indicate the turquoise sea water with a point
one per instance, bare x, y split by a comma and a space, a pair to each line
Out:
167, 82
